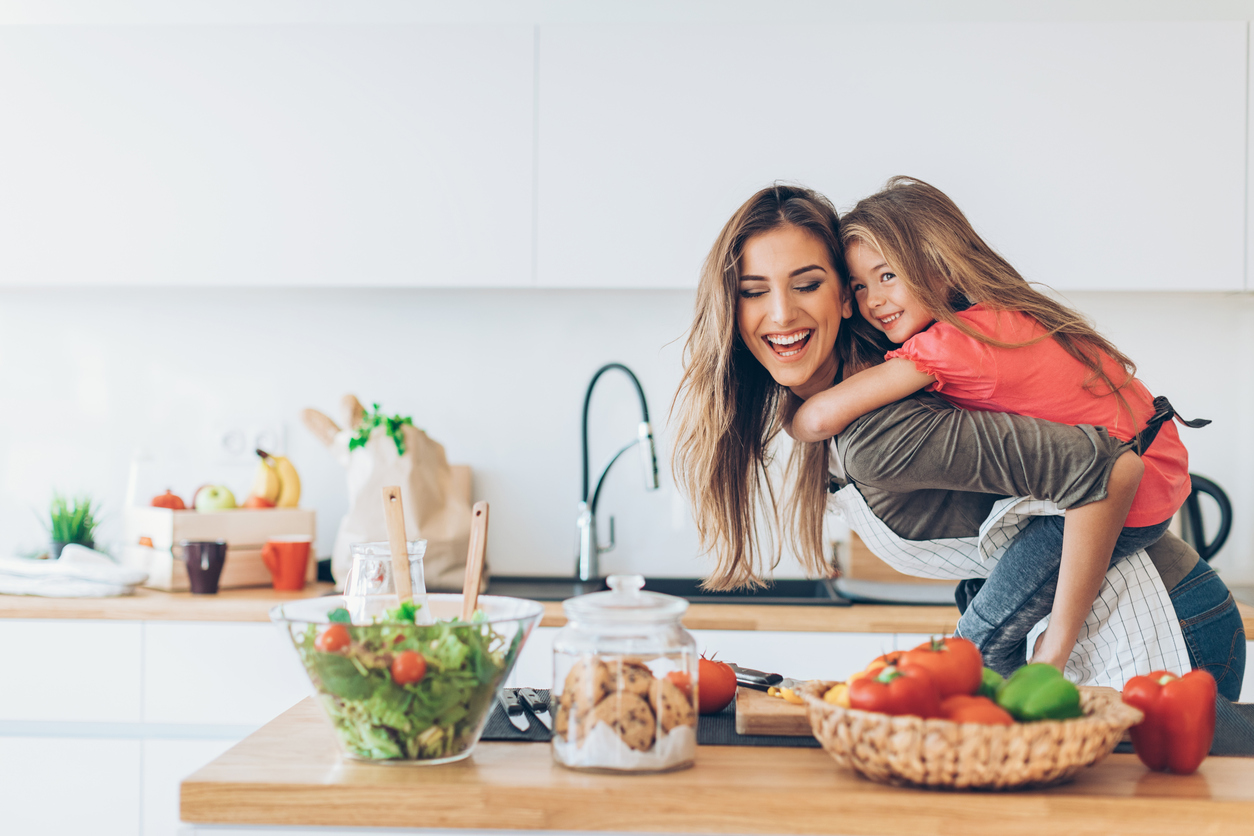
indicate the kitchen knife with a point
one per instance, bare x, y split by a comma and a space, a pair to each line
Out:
537, 705
514, 710
757, 680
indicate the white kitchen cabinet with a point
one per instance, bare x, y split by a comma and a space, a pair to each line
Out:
166, 764
57, 786
216, 673
1093, 155
396, 155
78, 671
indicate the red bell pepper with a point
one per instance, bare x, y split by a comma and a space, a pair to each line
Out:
1179, 722
896, 691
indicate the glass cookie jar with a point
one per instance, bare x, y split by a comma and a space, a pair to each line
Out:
625, 681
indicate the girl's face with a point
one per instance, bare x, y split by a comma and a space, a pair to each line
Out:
883, 298
790, 307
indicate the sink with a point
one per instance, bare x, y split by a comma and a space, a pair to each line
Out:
792, 592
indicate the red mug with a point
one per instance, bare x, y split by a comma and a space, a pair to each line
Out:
287, 558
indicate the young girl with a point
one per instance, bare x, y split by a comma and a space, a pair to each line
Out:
974, 331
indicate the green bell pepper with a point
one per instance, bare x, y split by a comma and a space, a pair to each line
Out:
1039, 692
990, 681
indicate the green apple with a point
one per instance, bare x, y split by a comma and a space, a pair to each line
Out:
214, 498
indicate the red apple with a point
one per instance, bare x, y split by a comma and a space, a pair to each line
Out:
255, 501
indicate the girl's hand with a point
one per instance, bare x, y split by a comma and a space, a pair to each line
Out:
830, 411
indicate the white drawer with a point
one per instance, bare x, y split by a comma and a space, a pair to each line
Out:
166, 764
219, 673
64, 786
86, 671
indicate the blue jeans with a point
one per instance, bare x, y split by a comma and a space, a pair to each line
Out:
1212, 627
1000, 611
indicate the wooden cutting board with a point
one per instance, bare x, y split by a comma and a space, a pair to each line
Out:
756, 713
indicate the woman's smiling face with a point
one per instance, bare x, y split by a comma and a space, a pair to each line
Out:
790, 307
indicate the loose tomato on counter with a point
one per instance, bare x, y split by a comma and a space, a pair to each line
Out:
682, 681
1179, 723
716, 685
332, 639
955, 665
894, 690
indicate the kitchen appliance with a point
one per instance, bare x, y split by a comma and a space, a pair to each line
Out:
1191, 517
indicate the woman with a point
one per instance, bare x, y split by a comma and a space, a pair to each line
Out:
932, 489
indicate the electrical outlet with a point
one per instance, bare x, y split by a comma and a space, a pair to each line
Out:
237, 444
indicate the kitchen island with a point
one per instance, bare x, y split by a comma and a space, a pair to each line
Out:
163, 683
289, 775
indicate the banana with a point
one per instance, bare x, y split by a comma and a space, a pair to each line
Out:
289, 482
266, 483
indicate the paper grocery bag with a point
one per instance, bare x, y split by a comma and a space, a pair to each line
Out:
433, 510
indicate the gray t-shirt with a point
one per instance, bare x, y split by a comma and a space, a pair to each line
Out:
931, 471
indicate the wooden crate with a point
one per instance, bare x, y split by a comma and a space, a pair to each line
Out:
858, 563
245, 531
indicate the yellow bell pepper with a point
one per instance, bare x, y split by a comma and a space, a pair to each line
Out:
838, 694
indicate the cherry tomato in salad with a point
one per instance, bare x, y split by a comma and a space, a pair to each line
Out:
333, 639
408, 667
716, 685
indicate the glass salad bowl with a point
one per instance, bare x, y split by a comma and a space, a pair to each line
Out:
400, 690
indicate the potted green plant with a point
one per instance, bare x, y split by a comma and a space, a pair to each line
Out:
71, 521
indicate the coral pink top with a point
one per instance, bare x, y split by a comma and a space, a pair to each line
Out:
1044, 381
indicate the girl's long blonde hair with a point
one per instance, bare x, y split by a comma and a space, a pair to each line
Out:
932, 247
729, 407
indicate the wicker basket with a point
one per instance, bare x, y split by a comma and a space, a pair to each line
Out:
911, 751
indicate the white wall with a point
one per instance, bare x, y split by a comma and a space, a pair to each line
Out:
498, 377
88, 376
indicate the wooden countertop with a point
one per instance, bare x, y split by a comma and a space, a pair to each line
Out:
255, 604
290, 773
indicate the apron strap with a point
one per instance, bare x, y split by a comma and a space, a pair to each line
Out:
1163, 412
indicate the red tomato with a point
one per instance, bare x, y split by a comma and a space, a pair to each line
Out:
955, 665
408, 667
716, 685
682, 681
895, 690
964, 708
332, 639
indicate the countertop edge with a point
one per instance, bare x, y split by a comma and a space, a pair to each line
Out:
253, 605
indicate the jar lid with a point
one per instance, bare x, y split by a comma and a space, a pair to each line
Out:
625, 602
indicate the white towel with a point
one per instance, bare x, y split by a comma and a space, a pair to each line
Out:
80, 573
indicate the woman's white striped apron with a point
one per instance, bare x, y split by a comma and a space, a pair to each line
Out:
1131, 631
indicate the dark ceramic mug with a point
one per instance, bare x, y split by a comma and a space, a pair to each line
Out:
204, 564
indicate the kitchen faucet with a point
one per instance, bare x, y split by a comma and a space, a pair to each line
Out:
590, 548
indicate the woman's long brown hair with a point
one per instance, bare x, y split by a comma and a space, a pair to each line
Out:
729, 408
932, 247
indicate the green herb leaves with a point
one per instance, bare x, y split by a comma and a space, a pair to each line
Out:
393, 425
72, 522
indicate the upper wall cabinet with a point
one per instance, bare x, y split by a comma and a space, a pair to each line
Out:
1094, 156
266, 155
